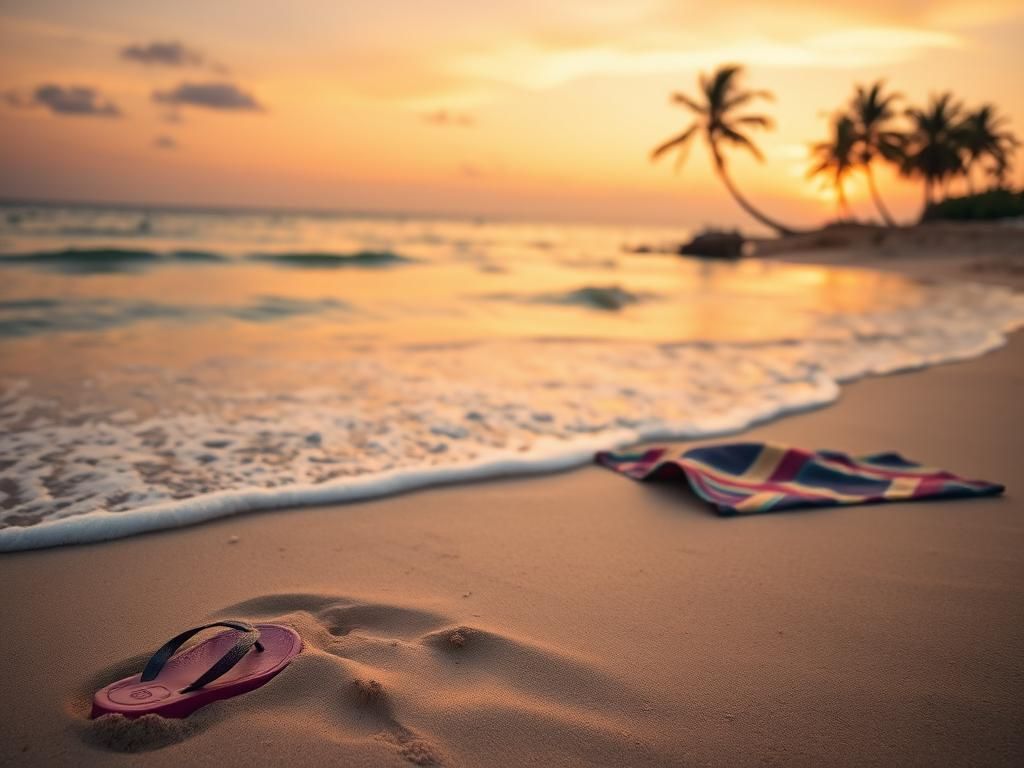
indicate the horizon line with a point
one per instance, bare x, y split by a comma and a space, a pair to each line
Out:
325, 212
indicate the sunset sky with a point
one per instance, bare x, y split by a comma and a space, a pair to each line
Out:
526, 109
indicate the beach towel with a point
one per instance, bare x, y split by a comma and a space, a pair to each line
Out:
743, 478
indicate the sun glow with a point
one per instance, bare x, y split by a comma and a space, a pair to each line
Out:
538, 119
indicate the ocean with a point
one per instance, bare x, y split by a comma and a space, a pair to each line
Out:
161, 367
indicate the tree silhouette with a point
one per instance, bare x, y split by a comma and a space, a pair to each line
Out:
837, 158
999, 172
721, 97
872, 112
981, 135
933, 145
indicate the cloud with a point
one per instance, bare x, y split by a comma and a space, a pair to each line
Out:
165, 142
428, 66
530, 66
221, 96
168, 53
76, 100
444, 117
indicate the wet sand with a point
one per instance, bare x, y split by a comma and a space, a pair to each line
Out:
575, 619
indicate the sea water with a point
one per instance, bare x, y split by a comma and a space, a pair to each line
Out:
164, 367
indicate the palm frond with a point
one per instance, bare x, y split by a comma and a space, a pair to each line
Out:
676, 141
737, 138
681, 156
746, 97
817, 170
721, 84
761, 121
686, 101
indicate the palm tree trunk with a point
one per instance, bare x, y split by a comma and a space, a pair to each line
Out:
967, 175
886, 217
743, 202
842, 206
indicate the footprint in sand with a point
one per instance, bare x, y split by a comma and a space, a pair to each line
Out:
414, 683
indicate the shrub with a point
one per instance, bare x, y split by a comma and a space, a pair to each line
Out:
994, 204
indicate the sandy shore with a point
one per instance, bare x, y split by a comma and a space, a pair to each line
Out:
981, 252
600, 621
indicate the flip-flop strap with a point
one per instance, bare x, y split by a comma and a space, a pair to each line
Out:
250, 638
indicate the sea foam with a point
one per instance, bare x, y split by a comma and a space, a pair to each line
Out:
223, 439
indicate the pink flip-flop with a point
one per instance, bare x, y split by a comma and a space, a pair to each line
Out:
218, 668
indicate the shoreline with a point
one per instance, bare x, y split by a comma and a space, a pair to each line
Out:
910, 253
548, 457
609, 622
601, 621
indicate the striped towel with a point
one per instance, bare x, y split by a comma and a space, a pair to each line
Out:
742, 478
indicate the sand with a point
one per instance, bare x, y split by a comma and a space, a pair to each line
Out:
575, 619
982, 252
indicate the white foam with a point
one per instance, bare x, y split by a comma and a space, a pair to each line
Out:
391, 421
545, 456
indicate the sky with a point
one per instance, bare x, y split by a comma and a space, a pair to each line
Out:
532, 109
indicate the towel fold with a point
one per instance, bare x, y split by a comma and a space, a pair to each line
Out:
742, 478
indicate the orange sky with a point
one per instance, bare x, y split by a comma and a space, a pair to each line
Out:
533, 109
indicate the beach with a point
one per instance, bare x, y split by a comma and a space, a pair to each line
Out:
577, 618
628, 385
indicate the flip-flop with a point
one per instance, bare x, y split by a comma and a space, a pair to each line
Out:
218, 668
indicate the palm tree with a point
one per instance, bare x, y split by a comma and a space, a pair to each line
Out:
721, 97
837, 157
933, 144
871, 111
982, 135
999, 172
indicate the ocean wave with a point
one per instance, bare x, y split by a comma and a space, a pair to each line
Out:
141, 229
329, 260
608, 298
103, 260
130, 475
109, 260
270, 308
347, 427
83, 259
29, 317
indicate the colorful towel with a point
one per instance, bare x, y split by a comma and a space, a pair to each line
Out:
742, 478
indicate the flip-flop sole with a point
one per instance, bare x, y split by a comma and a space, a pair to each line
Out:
163, 696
